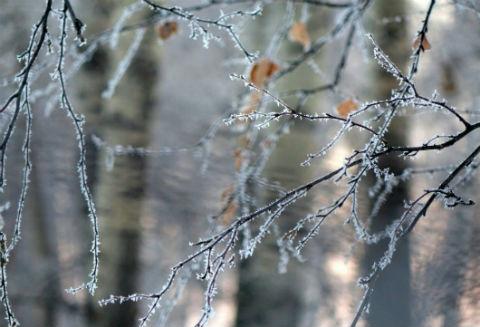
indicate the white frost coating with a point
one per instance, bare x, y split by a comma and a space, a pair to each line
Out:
384, 61
323, 151
78, 122
124, 64
127, 12
375, 117
27, 167
109, 159
169, 304
305, 13
284, 26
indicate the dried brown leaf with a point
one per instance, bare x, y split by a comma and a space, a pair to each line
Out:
262, 70
345, 107
425, 44
229, 213
299, 33
167, 29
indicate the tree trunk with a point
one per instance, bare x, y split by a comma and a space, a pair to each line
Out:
121, 192
391, 299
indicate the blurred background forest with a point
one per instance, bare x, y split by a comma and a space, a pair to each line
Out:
151, 203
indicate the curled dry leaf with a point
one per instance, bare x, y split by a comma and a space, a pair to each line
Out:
347, 106
425, 44
229, 206
262, 70
260, 73
167, 29
299, 33
229, 213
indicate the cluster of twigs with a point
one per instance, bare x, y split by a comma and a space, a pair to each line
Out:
220, 250
20, 102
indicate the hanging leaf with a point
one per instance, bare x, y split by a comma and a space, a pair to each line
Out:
262, 70
229, 204
298, 33
425, 44
167, 29
345, 107
229, 213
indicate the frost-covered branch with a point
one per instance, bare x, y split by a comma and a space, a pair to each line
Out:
262, 114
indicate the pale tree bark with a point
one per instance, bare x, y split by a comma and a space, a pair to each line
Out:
88, 84
119, 193
456, 260
470, 283
93, 77
47, 247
